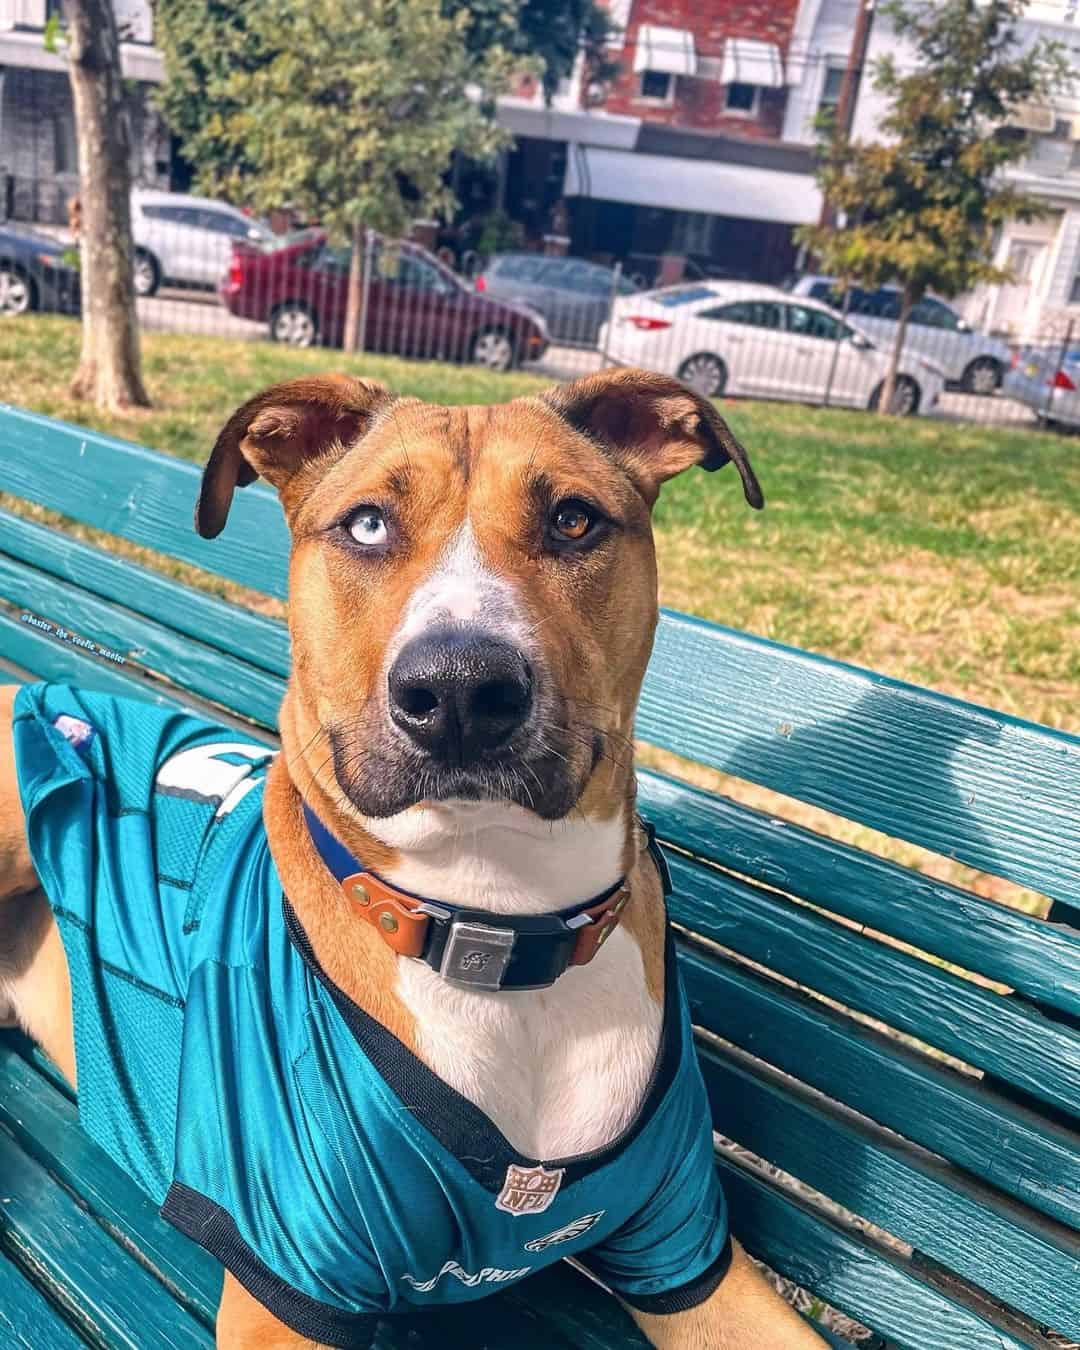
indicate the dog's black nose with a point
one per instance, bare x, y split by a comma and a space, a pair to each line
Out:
458, 693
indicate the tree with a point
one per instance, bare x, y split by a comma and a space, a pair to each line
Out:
349, 111
920, 207
109, 371
207, 41
554, 31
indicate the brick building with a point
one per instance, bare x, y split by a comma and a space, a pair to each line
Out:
678, 164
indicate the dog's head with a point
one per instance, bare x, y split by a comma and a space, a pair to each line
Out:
472, 589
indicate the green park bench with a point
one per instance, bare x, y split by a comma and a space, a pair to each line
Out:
841, 1036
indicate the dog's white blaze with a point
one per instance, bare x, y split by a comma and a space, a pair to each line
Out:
461, 589
559, 1071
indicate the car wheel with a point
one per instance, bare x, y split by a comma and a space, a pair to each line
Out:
294, 325
494, 350
17, 294
705, 374
145, 273
983, 376
905, 400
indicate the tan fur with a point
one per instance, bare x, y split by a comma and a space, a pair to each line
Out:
743, 1313
330, 444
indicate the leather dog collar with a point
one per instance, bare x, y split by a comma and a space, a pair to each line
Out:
475, 948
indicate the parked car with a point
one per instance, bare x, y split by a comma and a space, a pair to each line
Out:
415, 305
35, 274
574, 296
186, 240
969, 358
728, 337
1046, 380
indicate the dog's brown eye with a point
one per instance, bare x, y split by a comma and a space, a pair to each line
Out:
572, 520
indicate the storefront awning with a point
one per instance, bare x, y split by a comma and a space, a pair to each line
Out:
747, 61
670, 50
708, 186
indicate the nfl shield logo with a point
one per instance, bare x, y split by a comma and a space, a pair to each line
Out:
528, 1190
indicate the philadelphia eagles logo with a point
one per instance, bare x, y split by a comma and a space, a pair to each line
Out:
571, 1230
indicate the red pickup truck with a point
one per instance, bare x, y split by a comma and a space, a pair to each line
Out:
416, 306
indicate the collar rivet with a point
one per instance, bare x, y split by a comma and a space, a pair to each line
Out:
359, 893
387, 922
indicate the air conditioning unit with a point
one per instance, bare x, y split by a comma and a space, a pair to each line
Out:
1033, 117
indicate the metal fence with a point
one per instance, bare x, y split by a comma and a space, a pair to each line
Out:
215, 272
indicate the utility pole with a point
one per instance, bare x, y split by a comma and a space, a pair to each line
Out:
849, 89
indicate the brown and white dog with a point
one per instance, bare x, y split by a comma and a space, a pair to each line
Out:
505, 782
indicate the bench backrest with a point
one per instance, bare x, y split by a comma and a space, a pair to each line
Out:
906, 1050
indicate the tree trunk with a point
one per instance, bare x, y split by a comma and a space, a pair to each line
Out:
109, 370
355, 295
888, 389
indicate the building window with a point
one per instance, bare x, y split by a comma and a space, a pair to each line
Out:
65, 148
656, 84
1074, 294
830, 90
742, 99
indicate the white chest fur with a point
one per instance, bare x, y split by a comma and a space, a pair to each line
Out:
562, 1070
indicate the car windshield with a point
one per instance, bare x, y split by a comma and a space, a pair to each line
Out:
685, 295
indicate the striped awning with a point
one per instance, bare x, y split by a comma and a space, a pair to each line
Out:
747, 61
670, 50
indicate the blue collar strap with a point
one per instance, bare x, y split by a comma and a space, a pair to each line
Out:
474, 948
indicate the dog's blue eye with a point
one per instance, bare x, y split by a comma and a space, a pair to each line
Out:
368, 527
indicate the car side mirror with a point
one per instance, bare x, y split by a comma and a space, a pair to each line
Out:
860, 343
962, 326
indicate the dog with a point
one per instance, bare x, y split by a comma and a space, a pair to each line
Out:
391, 1018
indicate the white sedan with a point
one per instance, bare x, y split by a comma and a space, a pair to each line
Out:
723, 337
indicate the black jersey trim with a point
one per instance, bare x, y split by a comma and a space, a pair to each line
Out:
213, 1228
686, 1296
458, 1124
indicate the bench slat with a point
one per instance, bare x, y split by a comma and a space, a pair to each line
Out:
141, 495
1032, 1264
234, 630
946, 1112
46, 1125
848, 1271
250, 691
992, 1032
113, 1301
27, 1320
1041, 959
993, 791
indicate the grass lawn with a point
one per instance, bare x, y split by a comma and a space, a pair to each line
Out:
943, 554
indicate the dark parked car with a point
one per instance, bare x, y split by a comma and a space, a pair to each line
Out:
35, 275
415, 305
574, 296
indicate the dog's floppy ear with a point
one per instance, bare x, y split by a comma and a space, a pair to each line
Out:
655, 426
278, 431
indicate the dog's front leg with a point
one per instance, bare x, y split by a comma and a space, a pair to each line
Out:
244, 1324
743, 1313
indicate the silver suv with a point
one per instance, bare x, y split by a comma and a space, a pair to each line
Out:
185, 239
970, 359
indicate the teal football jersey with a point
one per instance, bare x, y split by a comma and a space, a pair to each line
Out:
273, 1120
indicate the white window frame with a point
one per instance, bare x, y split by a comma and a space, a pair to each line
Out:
749, 113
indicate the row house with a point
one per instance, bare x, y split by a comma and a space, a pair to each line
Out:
38, 166
682, 162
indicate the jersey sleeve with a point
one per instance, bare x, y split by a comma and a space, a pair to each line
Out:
675, 1251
